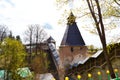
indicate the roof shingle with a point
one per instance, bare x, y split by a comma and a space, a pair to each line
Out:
72, 36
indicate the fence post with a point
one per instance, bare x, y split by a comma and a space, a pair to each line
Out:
79, 77
116, 74
90, 77
99, 75
108, 73
66, 78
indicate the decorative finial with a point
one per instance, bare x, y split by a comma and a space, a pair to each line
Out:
71, 19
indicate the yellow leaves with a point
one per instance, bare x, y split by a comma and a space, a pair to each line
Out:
110, 9
14, 54
57, 0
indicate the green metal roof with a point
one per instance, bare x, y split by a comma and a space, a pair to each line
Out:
2, 73
23, 72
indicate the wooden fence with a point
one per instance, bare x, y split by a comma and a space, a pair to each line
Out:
94, 62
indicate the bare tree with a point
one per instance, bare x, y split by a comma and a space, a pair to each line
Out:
39, 36
3, 32
10, 35
29, 38
97, 16
34, 35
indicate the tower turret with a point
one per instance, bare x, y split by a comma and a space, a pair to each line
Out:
72, 36
72, 48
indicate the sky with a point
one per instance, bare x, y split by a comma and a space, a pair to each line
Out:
18, 14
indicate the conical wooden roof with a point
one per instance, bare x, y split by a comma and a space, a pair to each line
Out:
72, 35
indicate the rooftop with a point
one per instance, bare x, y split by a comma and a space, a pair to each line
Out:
72, 35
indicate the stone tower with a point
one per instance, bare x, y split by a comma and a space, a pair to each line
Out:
72, 48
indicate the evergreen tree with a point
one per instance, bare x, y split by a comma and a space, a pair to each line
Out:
18, 38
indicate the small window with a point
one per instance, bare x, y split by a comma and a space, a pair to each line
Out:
71, 49
81, 48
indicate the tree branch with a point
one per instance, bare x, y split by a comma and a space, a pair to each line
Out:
95, 19
117, 2
101, 22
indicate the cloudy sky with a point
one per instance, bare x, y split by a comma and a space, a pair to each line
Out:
18, 14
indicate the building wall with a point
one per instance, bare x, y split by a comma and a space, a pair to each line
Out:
70, 53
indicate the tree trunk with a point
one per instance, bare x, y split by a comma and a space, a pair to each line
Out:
36, 43
30, 54
108, 61
101, 31
103, 41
